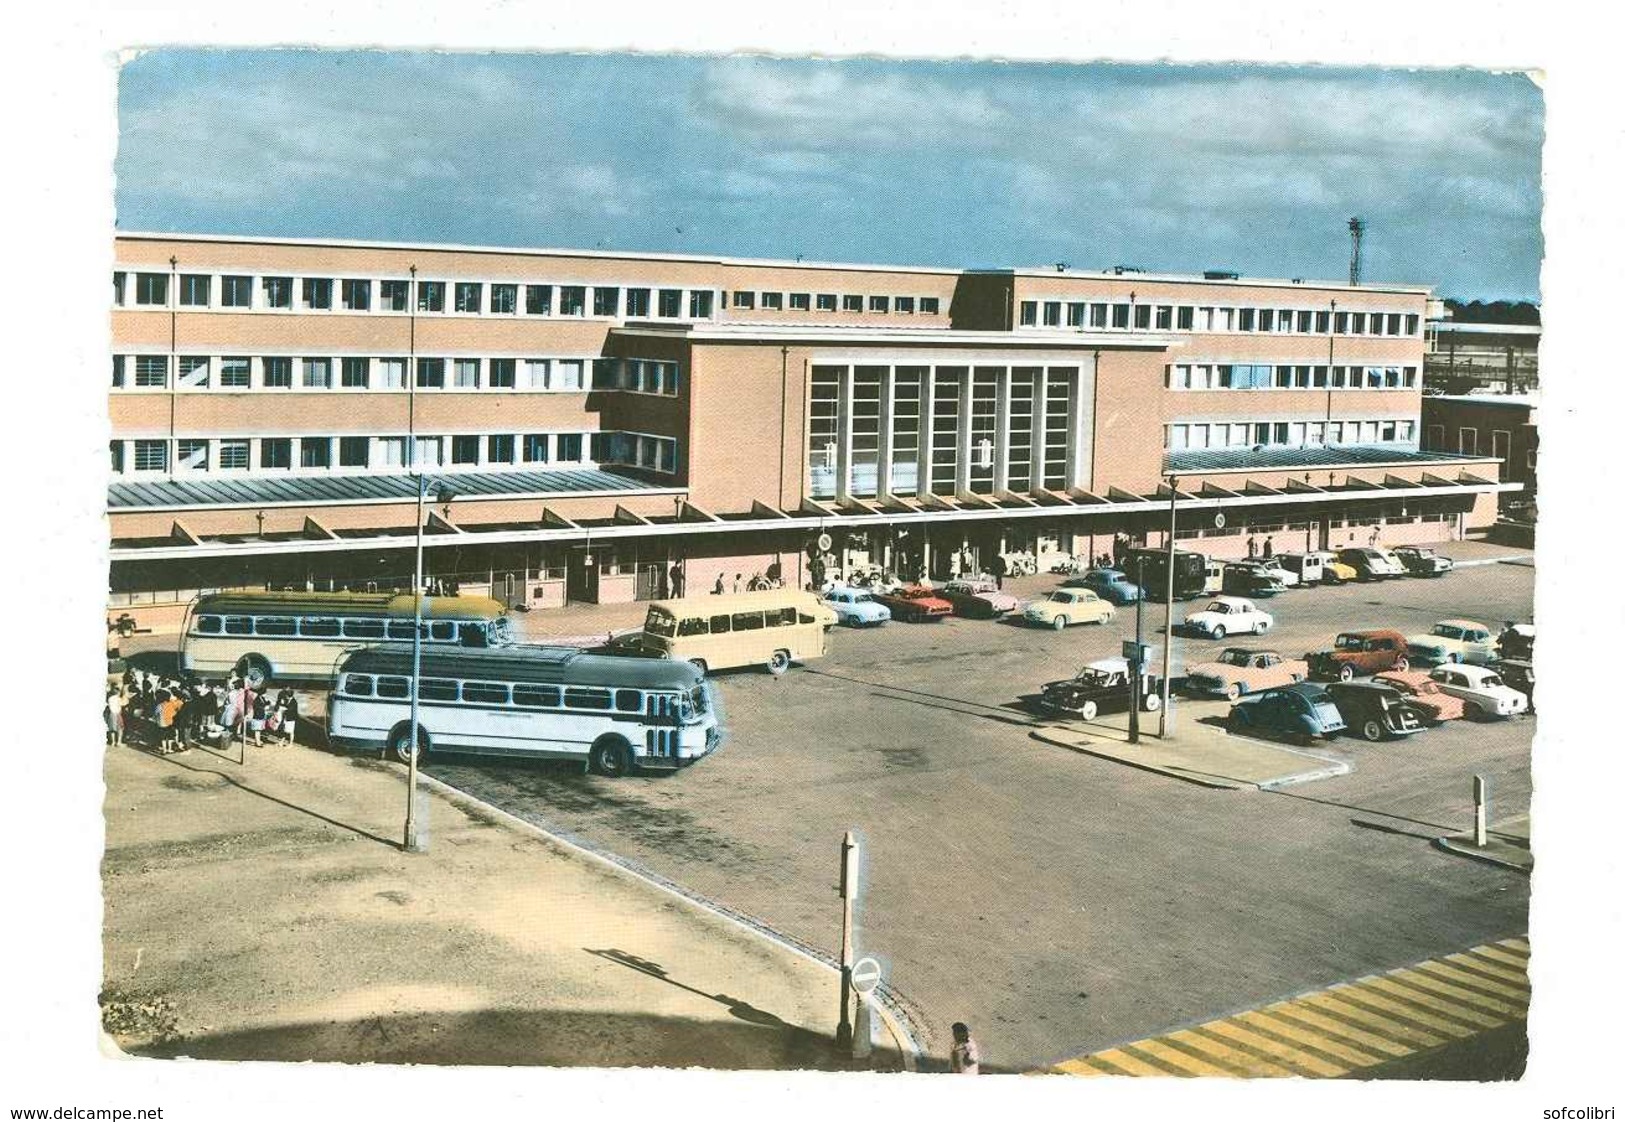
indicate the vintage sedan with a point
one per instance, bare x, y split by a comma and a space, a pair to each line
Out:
1520, 675
1371, 563
1375, 711
1304, 710
1419, 561
1100, 687
1108, 584
1289, 577
1517, 640
978, 597
1481, 688
1228, 615
1239, 671
913, 603
1316, 567
1452, 640
1249, 578
1359, 652
1067, 606
1424, 694
856, 607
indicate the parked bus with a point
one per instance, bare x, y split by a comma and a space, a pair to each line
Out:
299, 636
1190, 572
619, 715
771, 629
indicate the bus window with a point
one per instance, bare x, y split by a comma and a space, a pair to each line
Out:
694, 626
586, 697
473, 635
442, 630
629, 701
782, 617
536, 697
437, 689
400, 629
394, 687
721, 625
747, 621
660, 623
207, 625
319, 628
364, 629
239, 625
485, 693
273, 625
358, 685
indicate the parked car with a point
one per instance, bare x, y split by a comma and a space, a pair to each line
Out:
1100, 687
856, 607
1374, 710
1229, 615
1359, 652
1424, 695
1108, 584
1066, 606
631, 643
914, 604
1519, 675
1316, 567
1239, 671
1482, 689
1517, 641
1419, 561
978, 597
1249, 578
1303, 710
1275, 565
1452, 640
1370, 563
1212, 575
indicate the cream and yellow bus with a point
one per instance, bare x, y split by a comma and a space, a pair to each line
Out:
300, 636
771, 629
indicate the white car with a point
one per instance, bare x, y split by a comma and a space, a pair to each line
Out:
1288, 577
1229, 615
1452, 640
855, 607
1481, 689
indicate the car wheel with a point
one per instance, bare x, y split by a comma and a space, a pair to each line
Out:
778, 663
610, 757
1263, 626
1345, 673
1088, 710
1058, 623
1371, 730
1219, 632
1402, 664
1233, 691
1153, 702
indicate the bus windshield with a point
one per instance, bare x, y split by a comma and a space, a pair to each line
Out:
660, 622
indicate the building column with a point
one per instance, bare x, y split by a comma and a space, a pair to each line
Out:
962, 454
1080, 428
843, 437
888, 390
1001, 432
1040, 410
928, 409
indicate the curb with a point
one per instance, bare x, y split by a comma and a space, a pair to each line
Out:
1213, 780
907, 1045
1523, 560
1450, 845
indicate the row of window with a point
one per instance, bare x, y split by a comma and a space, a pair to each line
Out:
1256, 376
196, 455
1245, 434
1467, 444
331, 627
831, 301
360, 372
598, 699
203, 291
1133, 316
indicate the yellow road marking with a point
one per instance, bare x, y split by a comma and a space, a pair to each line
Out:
1519, 945
1079, 1067
1275, 1049
1366, 1039
1354, 1057
1438, 1007
1244, 1063
1517, 996
1186, 1062
1495, 968
1436, 990
1500, 954
1399, 1021
1133, 1066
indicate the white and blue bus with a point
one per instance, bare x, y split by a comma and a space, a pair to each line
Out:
620, 715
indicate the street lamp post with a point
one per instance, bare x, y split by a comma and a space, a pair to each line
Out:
1165, 720
414, 842
1136, 670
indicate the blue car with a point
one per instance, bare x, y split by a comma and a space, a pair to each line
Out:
854, 607
1109, 584
1303, 710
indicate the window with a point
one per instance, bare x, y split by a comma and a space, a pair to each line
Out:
880, 303
326, 628
392, 373
195, 290
1248, 319
1120, 313
399, 688
1052, 313
1389, 432
802, 302
356, 295
468, 296
1165, 317
1186, 317
465, 373
431, 373
318, 373
773, 301
536, 697
465, 449
851, 303
431, 296
536, 371
567, 375
1435, 437
1410, 325
353, 373
606, 301
194, 372
536, 448
746, 300
586, 697
437, 689
637, 303
499, 449
151, 371
276, 453
276, 373
1077, 314
929, 305
233, 454
315, 452
1501, 444
152, 289
118, 289
1029, 313
1142, 317
192, 455
826, 301
504, 299
572, 300
277, 291
393, 295
569, 447
502, 373
318, 293
391, 450
538, 299
353, 451
118, 371
671, 303
1266, 319
699, 305
485, 693
274, 625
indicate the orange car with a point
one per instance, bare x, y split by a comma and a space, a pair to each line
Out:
1424, 695
1240, 671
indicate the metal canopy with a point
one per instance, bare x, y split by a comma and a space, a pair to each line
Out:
1271, 456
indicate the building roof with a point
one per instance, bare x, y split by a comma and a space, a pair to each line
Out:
305, 490
846, 333
1269, 456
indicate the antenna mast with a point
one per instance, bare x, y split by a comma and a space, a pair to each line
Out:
1356, 232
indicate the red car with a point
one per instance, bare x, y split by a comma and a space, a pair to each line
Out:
913, 604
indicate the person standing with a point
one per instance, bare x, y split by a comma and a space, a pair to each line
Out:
737, 578
287, 707
676, 580
966, 1057
1269, 548
1252, 547
998, 571
717, 591
113, 715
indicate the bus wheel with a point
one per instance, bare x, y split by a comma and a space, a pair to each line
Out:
779, 663
400, 743
610, 757
254, 670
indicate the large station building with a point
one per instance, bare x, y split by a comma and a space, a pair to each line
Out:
587, 421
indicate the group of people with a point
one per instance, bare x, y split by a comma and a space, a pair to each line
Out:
1253, 550
173, 715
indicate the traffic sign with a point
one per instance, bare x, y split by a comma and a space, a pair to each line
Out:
865, 975
824, 542
1135, 652
1218, 519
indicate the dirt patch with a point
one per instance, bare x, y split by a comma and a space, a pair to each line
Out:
215, 847
197, 781
137, 1018
904, 759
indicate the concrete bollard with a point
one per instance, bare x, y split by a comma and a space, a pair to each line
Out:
863, 1030
1481, 836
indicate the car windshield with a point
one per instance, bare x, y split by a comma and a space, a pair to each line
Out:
1234, 657
1092, 677
1349, 642
1446, 631
863, 598
1219, 607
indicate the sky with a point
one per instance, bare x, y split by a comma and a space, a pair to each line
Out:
959, 164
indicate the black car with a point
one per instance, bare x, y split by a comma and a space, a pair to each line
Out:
1245, 579
1100, 687
1374, 710
1520, 675
1423, 562
1516, 641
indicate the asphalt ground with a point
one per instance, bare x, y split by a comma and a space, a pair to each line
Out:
1057, 902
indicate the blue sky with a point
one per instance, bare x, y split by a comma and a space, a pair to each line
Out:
954, 163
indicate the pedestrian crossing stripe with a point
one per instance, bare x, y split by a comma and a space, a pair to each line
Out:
1340, 1030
